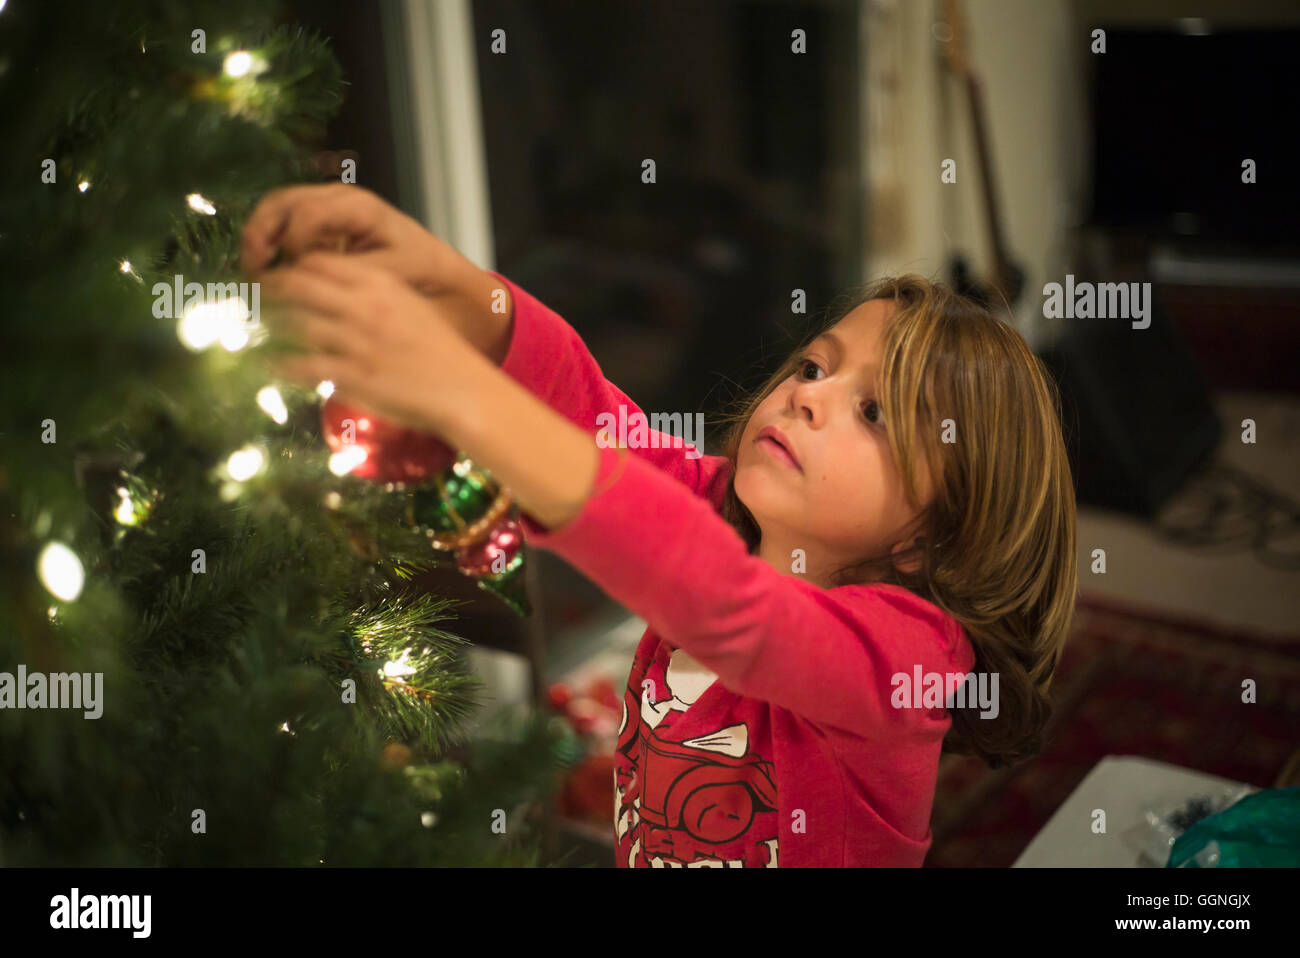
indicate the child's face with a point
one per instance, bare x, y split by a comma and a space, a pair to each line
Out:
845, 499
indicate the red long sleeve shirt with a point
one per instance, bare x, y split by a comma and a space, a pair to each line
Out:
757, 722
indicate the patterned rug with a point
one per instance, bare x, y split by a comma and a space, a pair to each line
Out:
1130, 683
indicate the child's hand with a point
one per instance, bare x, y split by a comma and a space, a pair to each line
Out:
383, 345
291, 222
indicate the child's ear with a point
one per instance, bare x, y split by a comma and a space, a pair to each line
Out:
907, 555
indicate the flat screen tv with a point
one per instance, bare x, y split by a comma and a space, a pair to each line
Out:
1175, 114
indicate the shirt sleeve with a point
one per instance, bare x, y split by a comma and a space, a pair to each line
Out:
549, 359
828, 655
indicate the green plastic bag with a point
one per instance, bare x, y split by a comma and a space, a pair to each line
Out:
1260, 831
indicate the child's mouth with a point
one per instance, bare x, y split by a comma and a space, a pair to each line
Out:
777, 451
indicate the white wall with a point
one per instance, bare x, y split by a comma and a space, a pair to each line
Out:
1028, 56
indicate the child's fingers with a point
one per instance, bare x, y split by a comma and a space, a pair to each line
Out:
330, 219
314, 289
265, 226
318, 334
345, 268
294, 219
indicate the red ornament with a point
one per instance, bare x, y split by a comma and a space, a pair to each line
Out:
501, 546
603, 691
393, 453
559, 694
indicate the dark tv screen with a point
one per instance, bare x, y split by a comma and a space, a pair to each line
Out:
1175, 114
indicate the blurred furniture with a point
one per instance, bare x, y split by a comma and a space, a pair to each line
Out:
1239, 317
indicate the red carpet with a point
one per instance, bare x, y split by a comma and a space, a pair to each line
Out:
1130, 683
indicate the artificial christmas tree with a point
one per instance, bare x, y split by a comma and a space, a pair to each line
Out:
178, 555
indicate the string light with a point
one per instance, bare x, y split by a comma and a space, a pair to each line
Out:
83, 185
399, 669
243, 63
203, 324
125, 513
60, 571
199, 326
238, 63
325, 389
245, 464
199, 204
272, 403
234, 328
341, 463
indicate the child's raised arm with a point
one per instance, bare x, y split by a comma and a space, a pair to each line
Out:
531, 343
547, 357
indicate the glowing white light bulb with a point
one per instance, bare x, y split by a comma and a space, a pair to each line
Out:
395, 670
325, 389
341, 463
272, 403
200, 326
233, 338
125, 513
60, 571
199, 204
125, 266
238, 63
245, 464
83, 185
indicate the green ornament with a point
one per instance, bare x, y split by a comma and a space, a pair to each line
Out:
510, 587
456, 498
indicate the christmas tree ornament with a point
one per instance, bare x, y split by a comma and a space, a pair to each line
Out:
393, 453
464, 510
498, 550
459, 506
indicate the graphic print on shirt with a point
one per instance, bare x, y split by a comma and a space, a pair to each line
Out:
687, 801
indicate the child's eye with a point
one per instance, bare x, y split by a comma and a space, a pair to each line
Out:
876, 420
804, 364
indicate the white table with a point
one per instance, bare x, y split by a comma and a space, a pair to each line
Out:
1121, 785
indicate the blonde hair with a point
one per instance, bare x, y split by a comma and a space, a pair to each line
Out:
997, 542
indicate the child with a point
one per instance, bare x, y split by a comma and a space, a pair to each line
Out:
891, 512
